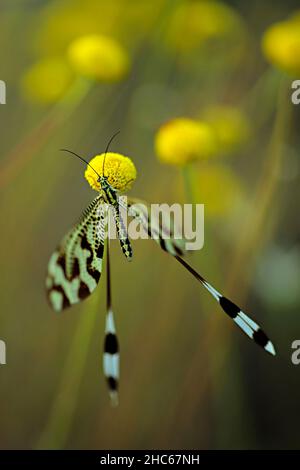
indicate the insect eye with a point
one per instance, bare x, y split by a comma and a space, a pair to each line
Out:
98, 180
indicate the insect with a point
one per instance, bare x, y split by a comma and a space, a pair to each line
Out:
75, 266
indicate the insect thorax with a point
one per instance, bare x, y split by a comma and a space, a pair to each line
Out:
109, 193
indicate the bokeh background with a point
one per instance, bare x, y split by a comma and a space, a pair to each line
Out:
189, 377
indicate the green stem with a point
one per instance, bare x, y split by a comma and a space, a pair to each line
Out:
188, 182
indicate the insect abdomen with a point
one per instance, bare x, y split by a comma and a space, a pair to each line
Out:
122, 234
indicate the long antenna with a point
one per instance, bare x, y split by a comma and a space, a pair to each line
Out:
106, 150
81, 158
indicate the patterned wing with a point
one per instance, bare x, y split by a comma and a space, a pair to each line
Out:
111, 354
75, 266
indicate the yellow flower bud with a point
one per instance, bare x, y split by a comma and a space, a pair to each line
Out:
281, 45
183, 140
47, 81
120, 171
99, 57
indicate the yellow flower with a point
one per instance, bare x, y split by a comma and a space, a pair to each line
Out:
231, 126
99, 57
47, 80
281, 45
120, 171
220, 190
183, 140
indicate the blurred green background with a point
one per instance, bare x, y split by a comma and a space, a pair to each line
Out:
189, 377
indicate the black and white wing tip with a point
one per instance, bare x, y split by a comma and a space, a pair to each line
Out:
247, 325
111, 358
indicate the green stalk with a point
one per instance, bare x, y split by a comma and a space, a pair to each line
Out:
188, 182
